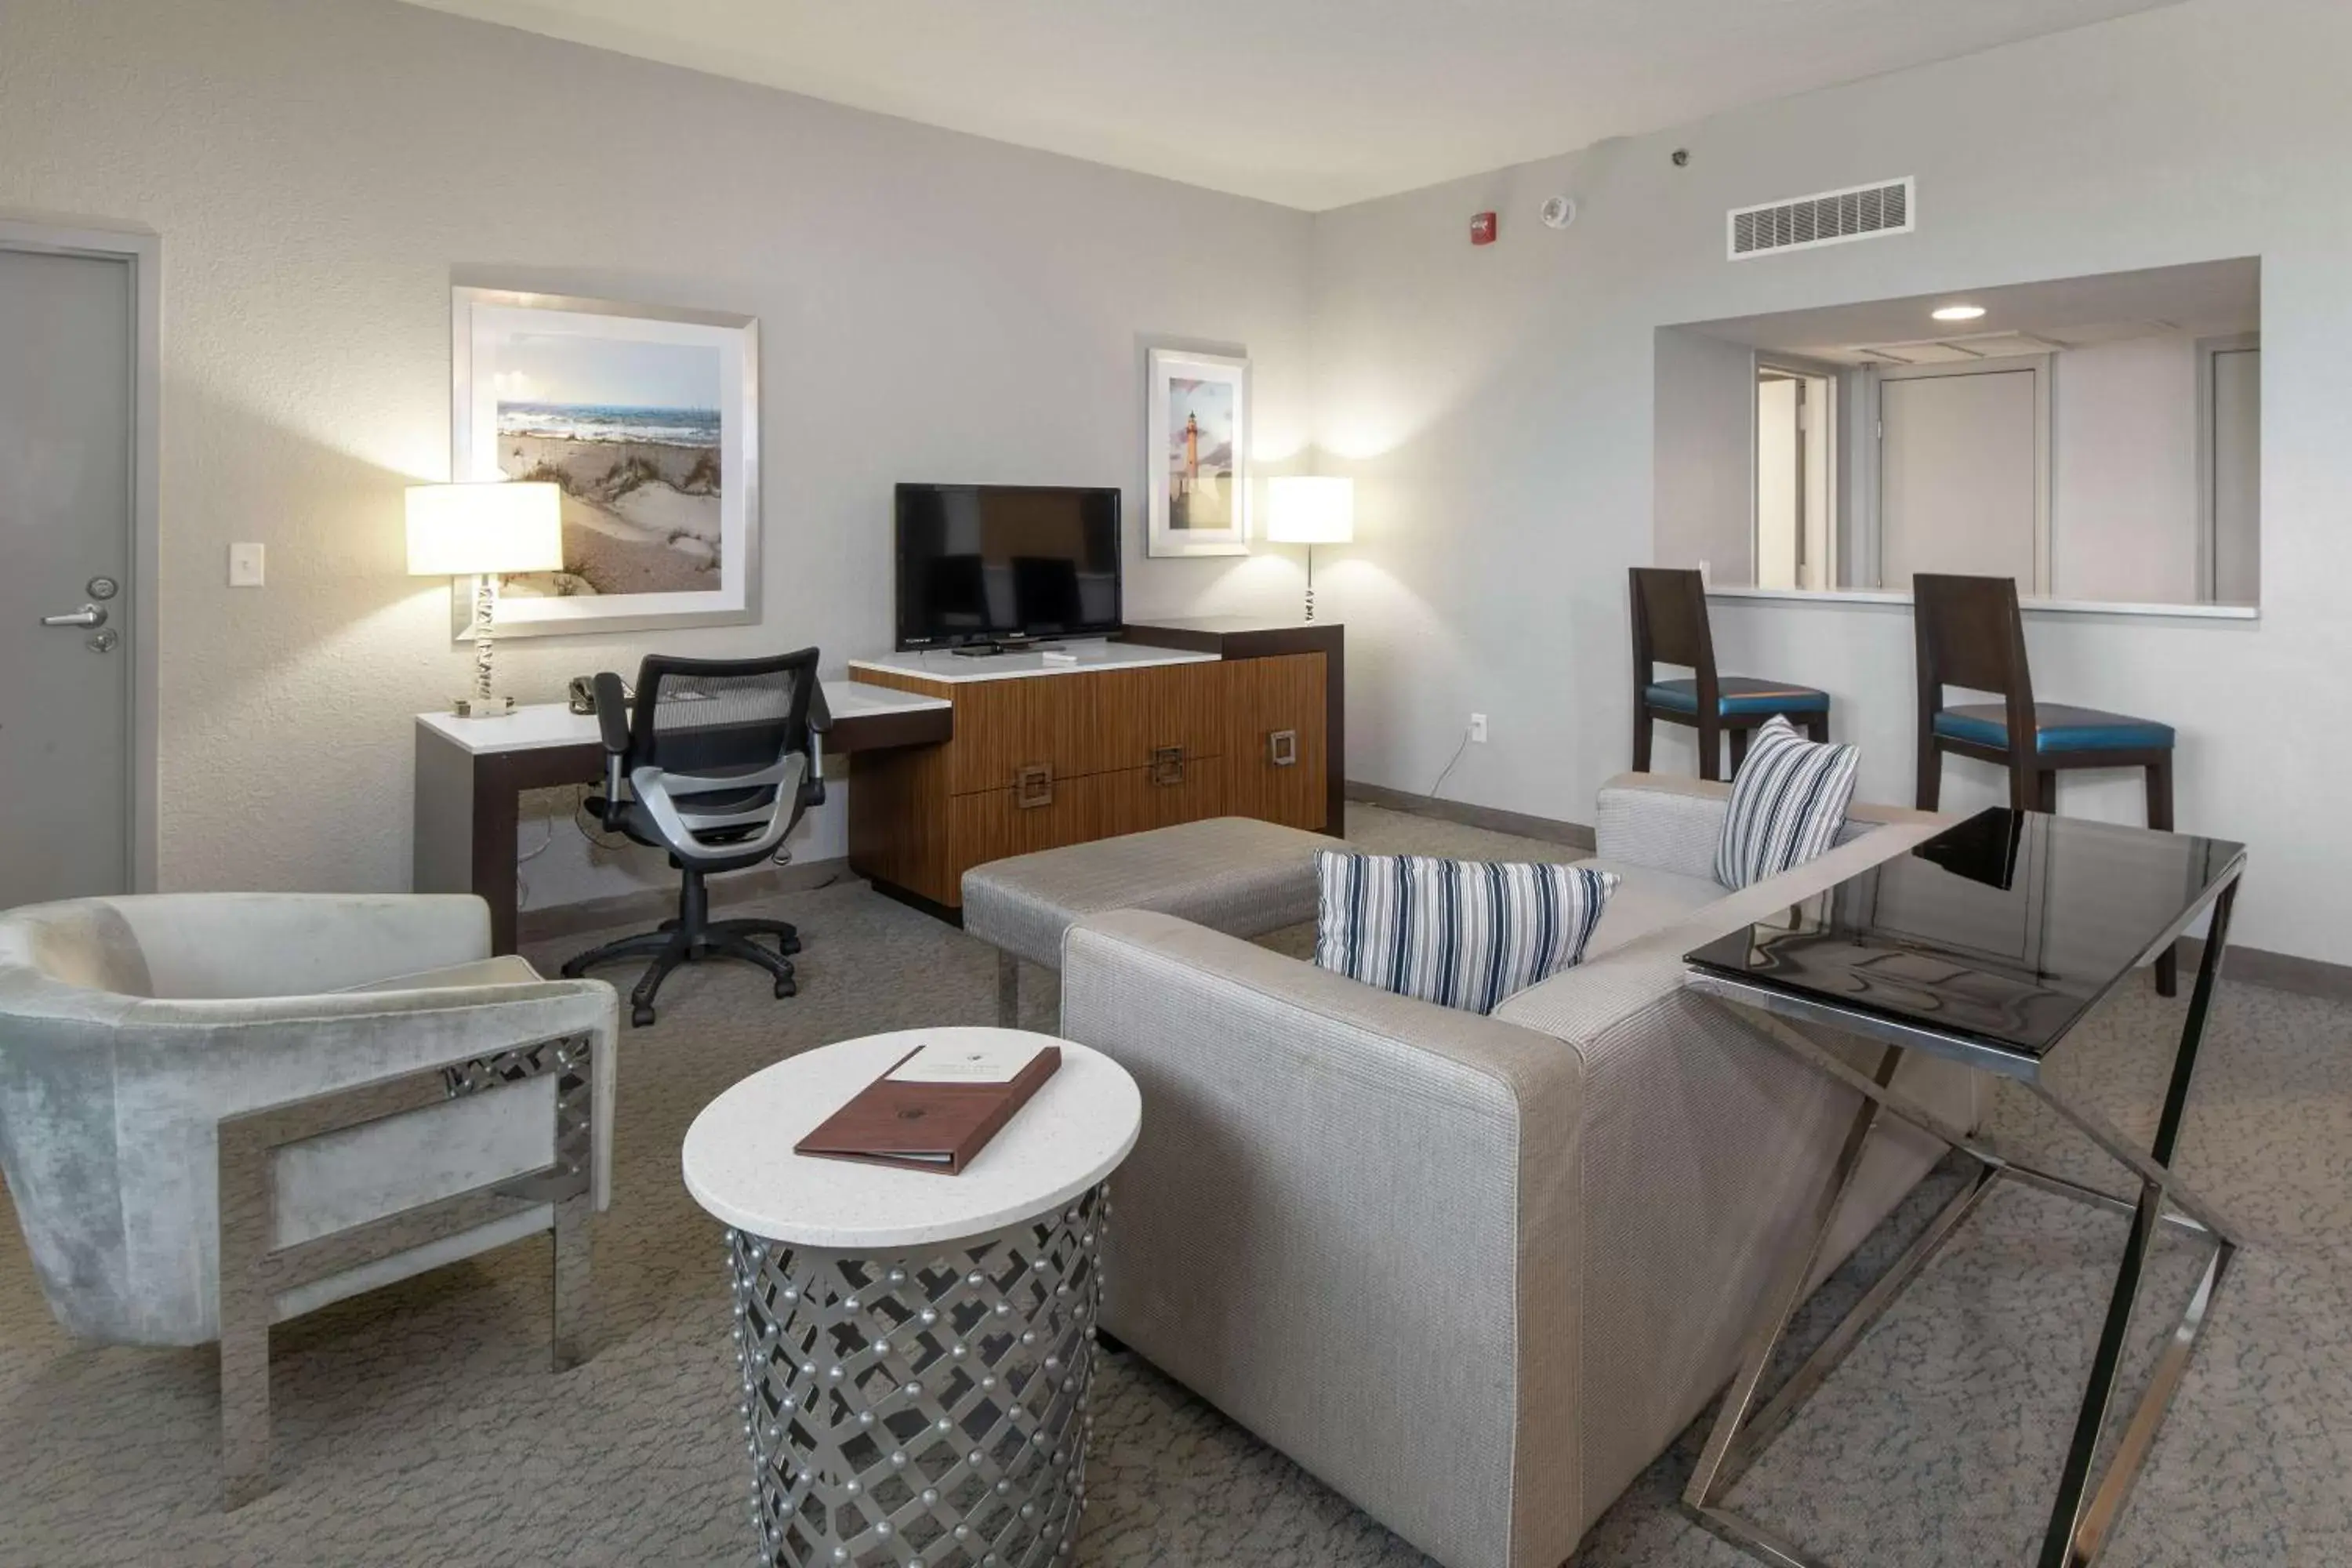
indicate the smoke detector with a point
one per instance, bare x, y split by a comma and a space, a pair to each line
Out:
1559, 211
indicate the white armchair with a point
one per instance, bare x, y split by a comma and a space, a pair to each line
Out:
221, 1110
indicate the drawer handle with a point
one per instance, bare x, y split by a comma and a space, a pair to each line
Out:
1282, 747
1032, 786
1167, 764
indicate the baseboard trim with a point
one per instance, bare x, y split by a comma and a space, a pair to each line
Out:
2279, 971
653, 905
1493, 819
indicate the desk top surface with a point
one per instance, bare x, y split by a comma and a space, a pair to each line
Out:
544, 724
945, 665
738, 1162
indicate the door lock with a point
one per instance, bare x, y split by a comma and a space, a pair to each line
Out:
101, 588
88, 616
105, 641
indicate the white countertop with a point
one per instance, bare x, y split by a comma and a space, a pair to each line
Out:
944, 663
540, 724
738, 1162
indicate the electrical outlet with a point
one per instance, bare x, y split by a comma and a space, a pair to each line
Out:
1477, 729
245, 566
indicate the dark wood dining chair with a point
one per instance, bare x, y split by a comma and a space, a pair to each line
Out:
1971, 635
1670, 627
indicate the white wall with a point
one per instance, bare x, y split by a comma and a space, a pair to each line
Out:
1706, 452
2123, 451
1495, 405
931, 306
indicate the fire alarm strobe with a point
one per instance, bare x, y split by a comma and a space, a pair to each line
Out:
1482, 229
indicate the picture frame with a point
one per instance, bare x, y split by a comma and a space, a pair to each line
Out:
648, 418
1196, 453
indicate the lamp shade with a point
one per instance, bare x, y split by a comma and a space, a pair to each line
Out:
1301, 509
462, 531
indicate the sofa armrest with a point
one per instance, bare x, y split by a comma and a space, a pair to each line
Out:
1363, 1176
1661, 821
1671, 823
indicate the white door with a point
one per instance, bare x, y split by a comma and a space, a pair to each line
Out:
1961, 476
66, 380
2237, 476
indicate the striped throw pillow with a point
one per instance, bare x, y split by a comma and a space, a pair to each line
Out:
1787, 805
1461, 934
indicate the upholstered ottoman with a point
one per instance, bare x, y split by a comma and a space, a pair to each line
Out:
1233, 874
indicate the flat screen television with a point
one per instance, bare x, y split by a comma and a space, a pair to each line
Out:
988, 563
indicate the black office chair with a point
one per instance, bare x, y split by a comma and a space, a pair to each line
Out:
720, 758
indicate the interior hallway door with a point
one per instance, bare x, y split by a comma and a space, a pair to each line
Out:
68, 379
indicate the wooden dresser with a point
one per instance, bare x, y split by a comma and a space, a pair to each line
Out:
1179, 721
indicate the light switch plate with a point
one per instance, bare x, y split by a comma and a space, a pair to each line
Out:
245, 566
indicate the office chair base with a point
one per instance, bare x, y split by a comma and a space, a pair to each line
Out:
673, 945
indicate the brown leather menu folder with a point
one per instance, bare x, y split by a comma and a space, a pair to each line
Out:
926, 1126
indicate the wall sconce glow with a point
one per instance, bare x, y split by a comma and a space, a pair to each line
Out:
484, 532
1310, 511
1959, 313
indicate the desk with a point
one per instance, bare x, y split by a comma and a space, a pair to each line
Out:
469, 773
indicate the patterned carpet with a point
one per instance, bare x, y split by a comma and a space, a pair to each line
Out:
420, 1424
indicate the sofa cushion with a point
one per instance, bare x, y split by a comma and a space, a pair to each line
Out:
1461, 934
1787, 805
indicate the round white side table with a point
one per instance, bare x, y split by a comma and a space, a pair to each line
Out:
916, 1347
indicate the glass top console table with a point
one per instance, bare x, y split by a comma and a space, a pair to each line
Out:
1984, 945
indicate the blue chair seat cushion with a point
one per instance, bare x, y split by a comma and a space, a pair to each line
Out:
1739, 694
2057, 728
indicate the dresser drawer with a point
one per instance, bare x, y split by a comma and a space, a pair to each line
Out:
1275, 740
1135, 799
1160, 715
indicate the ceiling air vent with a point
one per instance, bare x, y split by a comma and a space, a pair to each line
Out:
1832, 217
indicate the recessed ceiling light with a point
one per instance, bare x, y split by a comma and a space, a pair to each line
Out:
1959, 312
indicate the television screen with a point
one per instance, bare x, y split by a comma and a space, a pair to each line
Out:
981, 563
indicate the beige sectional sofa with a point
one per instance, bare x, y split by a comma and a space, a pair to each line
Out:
1476, 1273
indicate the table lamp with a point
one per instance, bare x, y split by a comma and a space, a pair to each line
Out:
1313, 511
484, 532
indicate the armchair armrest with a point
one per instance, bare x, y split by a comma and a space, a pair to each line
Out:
248, 1054
1329, 1180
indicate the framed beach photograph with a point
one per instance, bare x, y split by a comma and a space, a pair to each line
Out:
1196, 449
648, 420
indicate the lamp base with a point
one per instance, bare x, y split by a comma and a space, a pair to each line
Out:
482, 707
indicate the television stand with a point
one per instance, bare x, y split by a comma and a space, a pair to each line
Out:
1175, 721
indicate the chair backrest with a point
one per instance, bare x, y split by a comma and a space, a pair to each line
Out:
717, 716
1670, 625
718, 731
1970, 633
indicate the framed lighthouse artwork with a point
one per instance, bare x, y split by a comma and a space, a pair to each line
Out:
1196, 453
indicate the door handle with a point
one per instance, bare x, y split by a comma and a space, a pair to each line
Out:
1167, 764
88, 616
1032, 786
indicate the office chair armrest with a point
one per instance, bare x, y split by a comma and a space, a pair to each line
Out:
613, 712
820, 720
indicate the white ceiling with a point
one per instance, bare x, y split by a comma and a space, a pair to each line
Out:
1311, 104
2207, 298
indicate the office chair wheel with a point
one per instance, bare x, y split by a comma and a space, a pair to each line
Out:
787, 988
640, 1016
